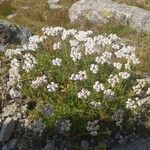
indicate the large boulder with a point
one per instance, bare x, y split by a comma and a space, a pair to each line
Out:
13, 34
102, 11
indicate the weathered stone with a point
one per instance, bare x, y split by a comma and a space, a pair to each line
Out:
53, 1
12, 33
7, 129
11, 145
140, 144
53, 4
102, 11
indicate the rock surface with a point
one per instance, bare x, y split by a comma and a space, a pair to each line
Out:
7, 129
12, 33
10, 145
53, 4
140, 144
102, 11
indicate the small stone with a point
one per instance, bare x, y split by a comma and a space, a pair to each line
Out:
84, 144
53, 1
7, 129
11, 16
55, 6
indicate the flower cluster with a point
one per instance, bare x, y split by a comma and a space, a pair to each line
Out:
65, 125
75, 53
117, 65
52, 87
84, 94
14, 75
96, 105
93, 127
39, 81
56, 62
56, 46
81, 76
105, 58
94, 68
133, 103
98, 86
138, 88
118, 117
29, 62
113, 80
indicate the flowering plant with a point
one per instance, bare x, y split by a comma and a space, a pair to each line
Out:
88, 80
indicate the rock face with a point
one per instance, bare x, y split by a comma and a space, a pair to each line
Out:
7, 129
102, 11
13, 34
140, 144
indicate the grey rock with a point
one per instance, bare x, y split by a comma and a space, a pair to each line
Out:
13, 34
102, 11
49, 146
9, 17
84, 144
10, 145
53, 1
140, 144
53, 4
7, 129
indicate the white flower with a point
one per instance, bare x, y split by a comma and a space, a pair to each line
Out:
93, 127
14, 93
148, 91
96, 105
105, 58
65, 126
109, 93
124, 75
138, 88
83, 94
14, 76
29, 62
56, 46
113, 80
52, 87
56, 62
81, 76
98, 86
94, 68
117, 65
39, 81
75, 53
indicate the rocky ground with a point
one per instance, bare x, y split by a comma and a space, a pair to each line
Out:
20, 19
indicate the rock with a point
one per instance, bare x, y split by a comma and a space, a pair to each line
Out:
102, 11
13, 34
140, 144
49, 146
7, 129
9, 17
84, 144
53, 1
10, 145
53, 4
